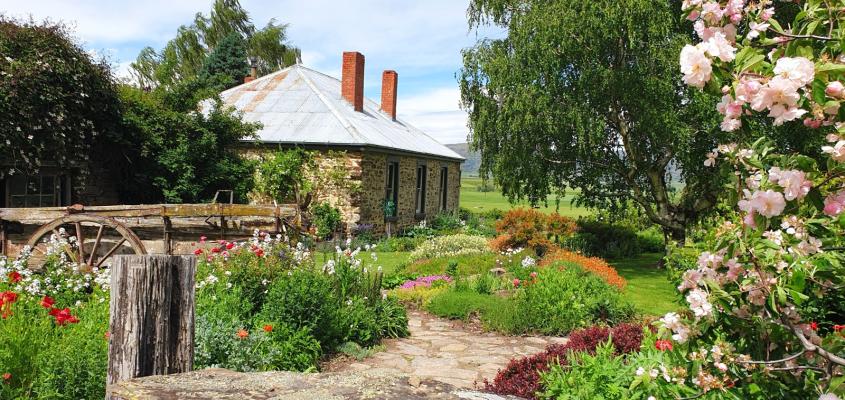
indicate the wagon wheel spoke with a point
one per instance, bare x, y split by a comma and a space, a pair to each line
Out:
109, 254
121, 238
96, 244
80, 241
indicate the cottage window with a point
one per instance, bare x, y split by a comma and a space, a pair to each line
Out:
391, 191
444, 180
33, 191
420, 199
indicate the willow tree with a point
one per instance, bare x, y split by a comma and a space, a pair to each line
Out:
585, 95
183, 57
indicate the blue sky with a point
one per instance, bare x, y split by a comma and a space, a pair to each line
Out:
419, 39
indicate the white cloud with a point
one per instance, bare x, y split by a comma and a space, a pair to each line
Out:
437, 112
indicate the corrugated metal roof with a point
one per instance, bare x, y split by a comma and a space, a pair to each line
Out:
303, 106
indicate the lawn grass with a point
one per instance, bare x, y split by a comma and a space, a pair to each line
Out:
478, 201
648, 288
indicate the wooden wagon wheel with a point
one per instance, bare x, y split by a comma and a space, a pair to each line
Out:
88, 253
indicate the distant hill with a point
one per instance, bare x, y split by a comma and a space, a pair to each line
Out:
473, 158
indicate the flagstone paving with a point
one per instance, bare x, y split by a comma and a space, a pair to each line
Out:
449, 352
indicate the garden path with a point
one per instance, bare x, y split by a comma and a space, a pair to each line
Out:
449, 352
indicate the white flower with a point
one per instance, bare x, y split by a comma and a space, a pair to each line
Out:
699, 305
528, 262
640, 371
799, 70
718, 46
695, 66
837, 151
828, 396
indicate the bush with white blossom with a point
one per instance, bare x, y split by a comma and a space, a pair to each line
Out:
767, 299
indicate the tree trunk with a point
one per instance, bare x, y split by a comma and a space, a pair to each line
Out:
151, 316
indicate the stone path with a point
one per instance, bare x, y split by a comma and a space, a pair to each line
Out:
445, 351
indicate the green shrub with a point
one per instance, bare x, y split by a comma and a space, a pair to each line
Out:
562, 300
602, 239
587, 376
399, 244
496, 313
445, 222
304, 299
327, 219
392, 319
452, 268
74, 364
450, 246
358, 352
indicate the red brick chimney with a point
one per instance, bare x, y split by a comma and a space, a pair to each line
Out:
352, 79
389, 79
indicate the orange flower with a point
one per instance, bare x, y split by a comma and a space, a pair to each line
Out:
7, 376
268, 328
242, 334
595, 265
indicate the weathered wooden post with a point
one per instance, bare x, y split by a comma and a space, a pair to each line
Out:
151, 316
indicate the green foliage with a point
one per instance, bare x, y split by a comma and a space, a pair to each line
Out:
399, 243
610, 125
357, 352
54, 98
184, 56
282, 176
50, 361
304, 300
327, 219
227, 59
178, 155
602, 375
448, 246
612, 240
563, 300
452, 268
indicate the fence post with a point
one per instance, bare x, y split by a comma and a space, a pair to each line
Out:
151, 316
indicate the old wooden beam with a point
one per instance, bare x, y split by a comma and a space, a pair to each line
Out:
151, 316
168, 236
152, 210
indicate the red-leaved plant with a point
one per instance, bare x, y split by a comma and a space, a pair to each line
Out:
522, 375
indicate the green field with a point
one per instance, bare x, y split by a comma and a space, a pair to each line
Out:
476, 200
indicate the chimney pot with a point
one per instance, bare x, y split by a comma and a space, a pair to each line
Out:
389, 80
352, 79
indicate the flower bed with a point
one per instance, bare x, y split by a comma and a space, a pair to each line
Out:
594, 265
262, 304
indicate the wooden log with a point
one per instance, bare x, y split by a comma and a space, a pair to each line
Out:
151, 316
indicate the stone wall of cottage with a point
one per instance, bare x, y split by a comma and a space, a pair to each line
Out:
368, 172
348, 202
374, 179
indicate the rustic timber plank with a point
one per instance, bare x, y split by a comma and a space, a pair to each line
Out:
151, 316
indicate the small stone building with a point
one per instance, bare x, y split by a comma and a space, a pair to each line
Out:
387, 158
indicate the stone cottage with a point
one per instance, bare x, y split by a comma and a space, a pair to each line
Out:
387, 158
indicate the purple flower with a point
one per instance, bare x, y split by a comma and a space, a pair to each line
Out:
425, 281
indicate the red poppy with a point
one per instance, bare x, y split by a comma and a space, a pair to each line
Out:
47, 302
259, 253
814, 326
838, 328
242, 334
63, 316
14, 277
515, 282
215, 250
197, 251
229, 246
8, 297
663, 345
268, 328
7, 376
